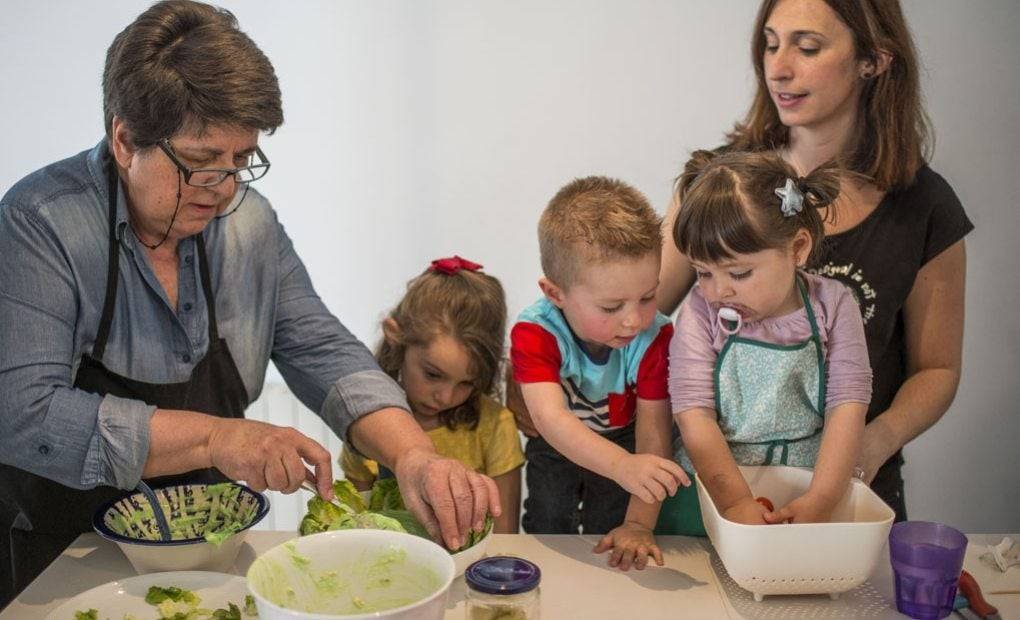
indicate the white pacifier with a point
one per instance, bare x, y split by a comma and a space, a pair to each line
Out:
729, 315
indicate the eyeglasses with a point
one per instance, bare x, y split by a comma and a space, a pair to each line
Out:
207, 177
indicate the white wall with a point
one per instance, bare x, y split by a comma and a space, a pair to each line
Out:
418, 129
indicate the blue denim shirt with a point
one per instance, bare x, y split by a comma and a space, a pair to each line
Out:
53, 265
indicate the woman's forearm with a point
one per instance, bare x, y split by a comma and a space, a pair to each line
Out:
178, 442
920, 402
388, 434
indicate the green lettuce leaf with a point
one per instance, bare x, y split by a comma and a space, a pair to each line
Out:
386, 496
348, 495
385, 510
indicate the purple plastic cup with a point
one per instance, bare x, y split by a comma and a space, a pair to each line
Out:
926, 560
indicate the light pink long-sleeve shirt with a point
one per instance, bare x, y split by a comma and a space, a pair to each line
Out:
698, 340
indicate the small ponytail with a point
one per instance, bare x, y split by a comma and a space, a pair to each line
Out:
699, 161
821, 186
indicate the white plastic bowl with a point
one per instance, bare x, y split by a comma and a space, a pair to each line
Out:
463, 559
148, 554
336, 551
810, 558
470, 555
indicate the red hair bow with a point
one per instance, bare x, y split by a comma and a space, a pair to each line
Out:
452, 265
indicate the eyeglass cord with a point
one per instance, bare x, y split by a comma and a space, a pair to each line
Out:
177, 208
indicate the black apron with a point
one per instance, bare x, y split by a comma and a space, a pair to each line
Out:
42, 517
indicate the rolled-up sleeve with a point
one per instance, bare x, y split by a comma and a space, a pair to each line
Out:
326, 366
48, 427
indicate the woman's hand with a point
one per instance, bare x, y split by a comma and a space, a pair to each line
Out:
266, 456
631, 544
445, 496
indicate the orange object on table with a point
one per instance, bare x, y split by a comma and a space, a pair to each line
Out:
972, 592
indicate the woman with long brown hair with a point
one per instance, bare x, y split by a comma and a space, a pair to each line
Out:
838, 80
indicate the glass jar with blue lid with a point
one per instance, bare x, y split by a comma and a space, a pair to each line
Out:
503, 588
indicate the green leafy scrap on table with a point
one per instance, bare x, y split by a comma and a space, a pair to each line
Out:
249, 606
385, 511
175, 603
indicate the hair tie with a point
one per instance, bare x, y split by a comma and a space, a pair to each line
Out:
793, 198
452, 265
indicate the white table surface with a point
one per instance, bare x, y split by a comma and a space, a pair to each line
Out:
575, 582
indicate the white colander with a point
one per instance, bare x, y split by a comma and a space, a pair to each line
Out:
811, 558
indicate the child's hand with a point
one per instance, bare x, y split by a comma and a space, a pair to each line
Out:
651, 478
631, 543
747, 511
807, 508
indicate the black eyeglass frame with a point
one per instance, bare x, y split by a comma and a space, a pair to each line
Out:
187, 172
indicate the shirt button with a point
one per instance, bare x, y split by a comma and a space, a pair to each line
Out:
187, 260
44, 450
187, 307
186, 358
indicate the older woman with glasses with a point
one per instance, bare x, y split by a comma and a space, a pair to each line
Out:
138, 319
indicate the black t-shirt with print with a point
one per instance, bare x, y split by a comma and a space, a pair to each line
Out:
879, 259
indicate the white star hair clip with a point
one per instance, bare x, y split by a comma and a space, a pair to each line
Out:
793, 199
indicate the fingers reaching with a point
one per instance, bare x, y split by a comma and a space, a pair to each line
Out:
439, 497
318, 457
463, 502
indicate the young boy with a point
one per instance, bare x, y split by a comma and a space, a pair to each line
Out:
591, 357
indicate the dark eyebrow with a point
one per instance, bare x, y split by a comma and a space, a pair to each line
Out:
796, 33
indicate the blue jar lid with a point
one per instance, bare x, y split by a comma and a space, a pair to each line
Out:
503, 574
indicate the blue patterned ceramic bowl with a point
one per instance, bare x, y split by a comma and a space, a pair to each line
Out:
208, 524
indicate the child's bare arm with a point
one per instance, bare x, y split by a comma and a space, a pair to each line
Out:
707, 448
509, 485
653, 428
632, 542
647, 476
841, 443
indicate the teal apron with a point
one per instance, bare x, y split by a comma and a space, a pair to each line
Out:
770, 404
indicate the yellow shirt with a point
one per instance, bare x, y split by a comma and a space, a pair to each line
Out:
493, 448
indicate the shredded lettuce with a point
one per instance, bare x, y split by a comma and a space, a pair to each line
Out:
215, 514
